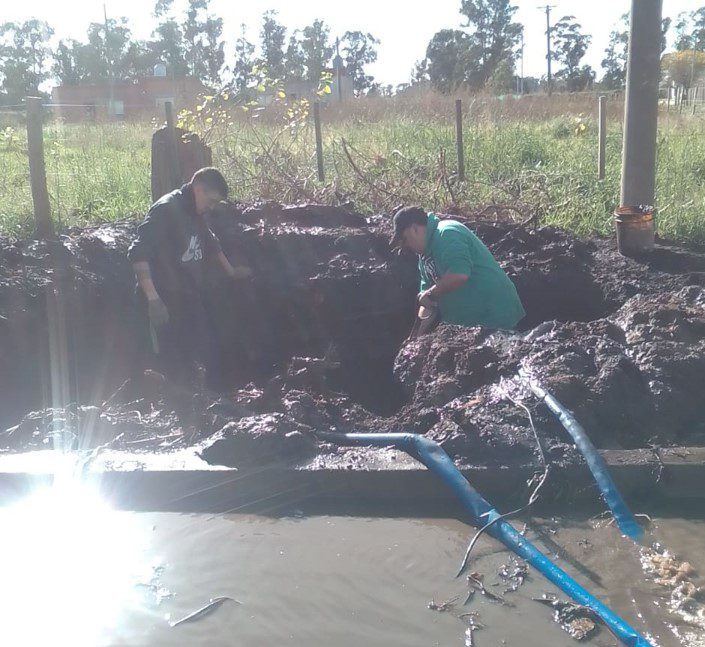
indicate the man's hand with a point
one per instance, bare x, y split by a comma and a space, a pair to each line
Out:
426, 300
237, 273
158, 314
240, 272
424, 322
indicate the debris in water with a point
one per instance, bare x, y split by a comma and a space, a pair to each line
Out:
160, 593
667, 569
475, 580
514, 573
204, 610
577, 620
153, 585
471, 619
443, 606
687, 600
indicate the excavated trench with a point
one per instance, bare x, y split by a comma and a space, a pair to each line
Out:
313, 342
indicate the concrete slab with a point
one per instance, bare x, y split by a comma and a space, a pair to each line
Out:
182, 481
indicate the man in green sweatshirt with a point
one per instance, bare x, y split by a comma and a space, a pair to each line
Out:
459, 275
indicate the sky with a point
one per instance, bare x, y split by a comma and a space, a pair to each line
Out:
404, 31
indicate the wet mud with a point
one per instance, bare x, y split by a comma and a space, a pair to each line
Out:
315, 341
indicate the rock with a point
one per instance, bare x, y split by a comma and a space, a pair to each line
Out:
258, 440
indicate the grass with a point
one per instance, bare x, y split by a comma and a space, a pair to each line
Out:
525, 154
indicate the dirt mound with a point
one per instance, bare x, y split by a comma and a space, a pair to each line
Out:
617, 340
631, 379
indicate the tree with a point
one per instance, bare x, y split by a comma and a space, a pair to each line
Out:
447, 58
214, 50
110, 53
690, 30
683, 38
162, 8
109, 45
493, 38
420, 72
244, 63
65, 67
24, 58
272, 35
316, 51
193, 28
698, 29
202, 40
137, 61
502, 80
294, 58
569, 45
682, 68
615, 61
168, 46
665, 26
359, 49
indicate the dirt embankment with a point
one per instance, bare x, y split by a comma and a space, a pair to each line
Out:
312, 341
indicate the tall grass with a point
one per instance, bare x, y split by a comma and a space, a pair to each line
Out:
534, 156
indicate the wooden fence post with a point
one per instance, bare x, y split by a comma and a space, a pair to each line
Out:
172, 143
602, 137
319, 139
459, 139
176, 156
37, 170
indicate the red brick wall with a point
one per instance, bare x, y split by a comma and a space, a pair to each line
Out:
139, 98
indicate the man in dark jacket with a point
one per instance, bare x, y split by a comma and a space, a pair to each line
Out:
459, 276
170, 255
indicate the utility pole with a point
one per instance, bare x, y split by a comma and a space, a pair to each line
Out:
107, 31
547, 9
641, 104
521, 78
109, 67
339, 65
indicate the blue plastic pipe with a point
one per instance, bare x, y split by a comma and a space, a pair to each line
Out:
622, 514
432, 455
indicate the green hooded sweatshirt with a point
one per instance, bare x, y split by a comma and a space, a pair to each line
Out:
488, 298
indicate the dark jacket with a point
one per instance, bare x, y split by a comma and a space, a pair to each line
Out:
176, 242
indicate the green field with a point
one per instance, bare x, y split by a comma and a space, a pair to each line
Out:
541, 164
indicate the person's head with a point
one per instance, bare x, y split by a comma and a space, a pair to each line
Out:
209, 188
410, 229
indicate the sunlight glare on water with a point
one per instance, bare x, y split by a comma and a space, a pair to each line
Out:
69, 564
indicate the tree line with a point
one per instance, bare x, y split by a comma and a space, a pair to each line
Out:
481, 53
189, 43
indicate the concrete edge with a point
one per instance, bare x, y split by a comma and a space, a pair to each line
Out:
182, 481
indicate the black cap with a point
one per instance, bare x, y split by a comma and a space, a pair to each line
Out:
403, 219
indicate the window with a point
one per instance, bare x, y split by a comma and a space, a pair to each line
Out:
116, 107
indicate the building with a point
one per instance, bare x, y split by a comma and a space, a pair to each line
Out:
141, 97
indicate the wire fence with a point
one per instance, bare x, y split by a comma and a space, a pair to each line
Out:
537, 157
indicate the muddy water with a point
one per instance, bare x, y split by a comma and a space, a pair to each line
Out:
92, 576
